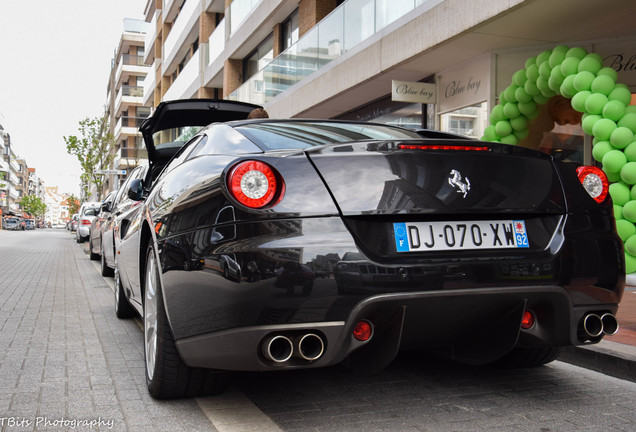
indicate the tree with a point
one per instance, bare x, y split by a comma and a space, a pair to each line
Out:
92, 150
33, 205
73, 204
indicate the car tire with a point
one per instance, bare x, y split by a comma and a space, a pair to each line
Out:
167, 376
123, 309
106, 271
91, 255
527, 357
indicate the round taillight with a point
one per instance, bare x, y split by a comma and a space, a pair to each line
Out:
527, 320
363, 331
594, 181
254, 184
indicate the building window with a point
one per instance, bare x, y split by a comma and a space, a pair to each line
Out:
259, 58
290, 30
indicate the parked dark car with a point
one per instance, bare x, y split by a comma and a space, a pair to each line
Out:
485, 252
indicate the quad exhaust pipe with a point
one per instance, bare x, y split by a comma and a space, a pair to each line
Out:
595, 325
281, 348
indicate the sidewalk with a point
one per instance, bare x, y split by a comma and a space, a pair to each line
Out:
614, 355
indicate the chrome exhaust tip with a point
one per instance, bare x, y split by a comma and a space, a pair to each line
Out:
593, 325
278, 349
610, 324
311, 347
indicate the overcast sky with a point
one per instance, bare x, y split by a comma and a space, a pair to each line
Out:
55, 60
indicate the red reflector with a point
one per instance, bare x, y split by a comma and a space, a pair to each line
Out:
594, 182
442, 147
363, 331
527, 321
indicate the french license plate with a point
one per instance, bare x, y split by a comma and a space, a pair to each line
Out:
465, 235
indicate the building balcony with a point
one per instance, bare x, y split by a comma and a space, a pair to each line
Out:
184, 32
150, 39
149, 84
188, 81
128, 158
127, 126
130, 65
127, 96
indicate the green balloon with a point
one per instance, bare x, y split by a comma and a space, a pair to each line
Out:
608, 71
624, 229
630, 152
543, 57
540, 99
509, 139
578, 100
603, 84
544, 87
630, 263
621, 137
497, 114
600, 149
490, 134
628, 120
545, 70
570, 66
614, 110
555, 83
561, 48
531, 61
522, 96
619, 193
576, 52
583, 80
502, 98
629, 211
628, 173
613, 177
621, 94
567, 87
521, 134
556, 57
510, 110
531, 88
503, 128
618, 212
630, 109
588, 123
595, 102
532, 72
519, 123
603, 129
614, 160
509, 93
519, 77
630, 245
527, 109
591, 63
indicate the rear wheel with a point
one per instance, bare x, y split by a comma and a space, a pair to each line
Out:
93, 256
167, 376
106, 271
526, 357
123, 309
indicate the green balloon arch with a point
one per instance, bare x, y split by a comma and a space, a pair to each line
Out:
607, 115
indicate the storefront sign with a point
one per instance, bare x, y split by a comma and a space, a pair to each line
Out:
465, 85
403, 91
620, 56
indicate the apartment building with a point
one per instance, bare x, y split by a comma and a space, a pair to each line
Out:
125, 108
341, 59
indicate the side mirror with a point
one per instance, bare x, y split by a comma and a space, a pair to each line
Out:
105, 207
136, 190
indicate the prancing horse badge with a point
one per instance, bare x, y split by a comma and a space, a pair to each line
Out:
455, 180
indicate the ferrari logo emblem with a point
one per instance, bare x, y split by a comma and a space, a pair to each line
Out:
455, 180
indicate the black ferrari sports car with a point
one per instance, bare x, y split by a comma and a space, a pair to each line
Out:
271, 244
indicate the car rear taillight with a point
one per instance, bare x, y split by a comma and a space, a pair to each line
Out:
255, 184
85, 222
594, 181
442, 147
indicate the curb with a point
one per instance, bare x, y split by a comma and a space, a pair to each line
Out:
609, 358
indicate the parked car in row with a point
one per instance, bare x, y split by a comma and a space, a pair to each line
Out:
12, 223
485, 252
87, 212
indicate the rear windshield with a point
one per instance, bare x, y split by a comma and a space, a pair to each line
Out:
303, 134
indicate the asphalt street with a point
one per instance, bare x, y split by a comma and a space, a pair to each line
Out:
69, 364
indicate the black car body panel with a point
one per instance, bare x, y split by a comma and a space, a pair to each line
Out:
326, 256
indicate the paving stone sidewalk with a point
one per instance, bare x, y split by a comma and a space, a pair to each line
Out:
66, 361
